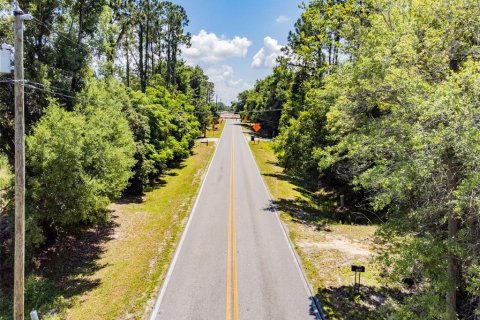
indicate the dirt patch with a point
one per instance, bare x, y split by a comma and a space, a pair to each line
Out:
341, 244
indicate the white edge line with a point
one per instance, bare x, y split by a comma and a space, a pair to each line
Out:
166, 280
319, 314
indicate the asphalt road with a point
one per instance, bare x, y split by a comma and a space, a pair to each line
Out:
234, 260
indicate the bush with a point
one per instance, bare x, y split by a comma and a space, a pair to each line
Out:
77, 164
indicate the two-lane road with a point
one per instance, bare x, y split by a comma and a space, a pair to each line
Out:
234, 260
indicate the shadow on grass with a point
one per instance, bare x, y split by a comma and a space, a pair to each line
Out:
303, 211
129, 199
312, 209
62, 271
315, 208
74, 258
364, 305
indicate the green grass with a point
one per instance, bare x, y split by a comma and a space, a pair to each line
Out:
114, 271
327, 248
218, 132
136, 262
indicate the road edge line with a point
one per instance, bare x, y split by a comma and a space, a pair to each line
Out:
319, 314
171, 267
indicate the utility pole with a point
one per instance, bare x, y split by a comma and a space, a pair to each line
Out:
19, 273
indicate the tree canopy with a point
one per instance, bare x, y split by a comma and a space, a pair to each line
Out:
109, 102
381, 97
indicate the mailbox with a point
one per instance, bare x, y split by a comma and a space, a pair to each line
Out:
358, 268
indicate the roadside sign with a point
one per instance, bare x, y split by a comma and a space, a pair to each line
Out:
358, 268
256, 127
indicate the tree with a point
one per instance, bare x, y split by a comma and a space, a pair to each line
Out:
175, 21
383, 102
77, 163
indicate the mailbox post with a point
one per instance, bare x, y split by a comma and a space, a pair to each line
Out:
358, 270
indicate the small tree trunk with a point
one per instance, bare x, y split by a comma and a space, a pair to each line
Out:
128, 62
143, 84
453, 268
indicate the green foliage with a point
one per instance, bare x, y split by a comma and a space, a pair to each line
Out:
5, 173
193, 82
384, 101
77, 162
41, 294
264, 102
91, 136
173, 125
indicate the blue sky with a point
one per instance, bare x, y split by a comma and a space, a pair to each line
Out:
236, 42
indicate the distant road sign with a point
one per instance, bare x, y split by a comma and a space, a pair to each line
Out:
256, 127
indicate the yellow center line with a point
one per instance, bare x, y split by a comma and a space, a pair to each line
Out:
232, 248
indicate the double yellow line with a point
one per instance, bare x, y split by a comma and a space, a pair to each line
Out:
232, 284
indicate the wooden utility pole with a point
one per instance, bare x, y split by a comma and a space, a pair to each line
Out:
19, 274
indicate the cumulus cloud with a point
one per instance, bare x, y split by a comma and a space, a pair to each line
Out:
208, 48
267, 56
212, 53
282, 19
226, 84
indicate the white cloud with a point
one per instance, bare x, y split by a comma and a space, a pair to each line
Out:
282, 19
267, 56
226, 84
208, 48
212, 52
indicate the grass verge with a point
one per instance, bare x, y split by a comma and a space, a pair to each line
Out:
327, 249
218, 130
138, 256
114, 271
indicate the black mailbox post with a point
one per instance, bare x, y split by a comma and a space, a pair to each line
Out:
358, 270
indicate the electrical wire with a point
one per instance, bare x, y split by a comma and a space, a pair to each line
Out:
51, 92
31, 86
69, 95
50, 28
50, 86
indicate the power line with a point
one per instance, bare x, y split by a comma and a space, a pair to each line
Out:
50, 91
50, 28
264, 111
27, 85
50, 86
69, 94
